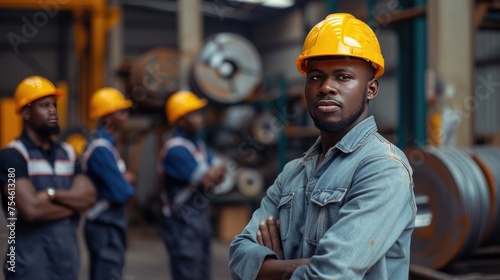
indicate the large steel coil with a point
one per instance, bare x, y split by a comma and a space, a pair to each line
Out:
454, 205
228, 69
229, 181
250, 182
266, 128
488, 160
153, 77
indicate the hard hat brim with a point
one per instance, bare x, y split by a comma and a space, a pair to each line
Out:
23, 103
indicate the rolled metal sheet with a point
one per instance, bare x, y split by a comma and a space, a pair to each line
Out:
488, 159
153, 77
250, 182
476, 195
228, 68
266, 128
229, 181
452, 201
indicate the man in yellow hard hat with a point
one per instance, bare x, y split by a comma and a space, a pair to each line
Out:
346, 209
189, 172
43, 191
106, 222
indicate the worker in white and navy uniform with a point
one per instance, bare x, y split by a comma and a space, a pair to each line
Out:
43, 191
188, 172
106, 222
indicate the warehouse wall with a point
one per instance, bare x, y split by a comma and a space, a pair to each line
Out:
48, 50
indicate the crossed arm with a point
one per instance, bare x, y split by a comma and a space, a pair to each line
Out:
37, 207
80, 197
268, 235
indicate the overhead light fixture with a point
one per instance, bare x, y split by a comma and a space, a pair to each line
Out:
279, 4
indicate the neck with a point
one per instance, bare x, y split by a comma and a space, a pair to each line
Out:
42, 141
329, 140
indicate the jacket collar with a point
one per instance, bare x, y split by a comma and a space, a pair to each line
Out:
349, 143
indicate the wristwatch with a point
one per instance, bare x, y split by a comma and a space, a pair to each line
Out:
51, 192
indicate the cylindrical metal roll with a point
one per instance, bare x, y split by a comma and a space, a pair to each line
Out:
250, 182
267, 128
228, 68
452, 201
153, 77
229, 181
488, 159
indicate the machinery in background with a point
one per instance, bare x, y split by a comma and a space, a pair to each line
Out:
457, 228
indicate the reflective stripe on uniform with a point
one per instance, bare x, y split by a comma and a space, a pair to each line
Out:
41, 167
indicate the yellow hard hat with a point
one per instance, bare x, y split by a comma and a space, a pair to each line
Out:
78, 142
342, 34
182, 103
33, 88
106, 101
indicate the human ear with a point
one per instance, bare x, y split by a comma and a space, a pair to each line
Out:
26, 113
372, 89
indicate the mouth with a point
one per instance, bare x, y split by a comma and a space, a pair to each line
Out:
53, 120
328, 105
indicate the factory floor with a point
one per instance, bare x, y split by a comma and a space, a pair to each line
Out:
146, 258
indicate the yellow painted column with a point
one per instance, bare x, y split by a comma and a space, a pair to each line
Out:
451, 56
10, 122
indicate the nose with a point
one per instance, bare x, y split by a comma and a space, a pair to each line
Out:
53, 108
328, 87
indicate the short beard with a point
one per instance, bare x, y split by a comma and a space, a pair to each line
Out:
341, 125
47, 131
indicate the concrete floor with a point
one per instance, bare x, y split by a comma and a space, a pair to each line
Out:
146, 258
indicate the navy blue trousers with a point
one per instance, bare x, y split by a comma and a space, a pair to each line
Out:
188, 244
106, 245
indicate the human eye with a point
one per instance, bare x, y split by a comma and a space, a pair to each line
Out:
344, 77
314, 77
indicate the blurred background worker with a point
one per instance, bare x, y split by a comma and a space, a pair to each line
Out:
42, 185
106, 223
189, 172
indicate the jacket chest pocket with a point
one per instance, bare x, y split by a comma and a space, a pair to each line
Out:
285, 214
323, 212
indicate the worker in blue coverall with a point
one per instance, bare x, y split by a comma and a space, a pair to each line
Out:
189, 171
43, 191
106, 222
